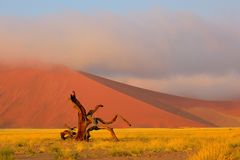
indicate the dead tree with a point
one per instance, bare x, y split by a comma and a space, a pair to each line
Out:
98, 124
82, 117
88, 123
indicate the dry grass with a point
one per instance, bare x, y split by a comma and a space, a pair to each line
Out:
200, 143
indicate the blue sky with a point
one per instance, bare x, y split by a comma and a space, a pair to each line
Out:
199, 7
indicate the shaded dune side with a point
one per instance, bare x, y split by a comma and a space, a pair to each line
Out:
151, 97
223, 120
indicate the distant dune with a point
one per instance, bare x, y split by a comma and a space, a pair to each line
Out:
37, 97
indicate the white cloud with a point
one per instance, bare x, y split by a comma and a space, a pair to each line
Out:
153, 45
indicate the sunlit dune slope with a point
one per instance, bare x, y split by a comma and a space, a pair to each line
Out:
37, 97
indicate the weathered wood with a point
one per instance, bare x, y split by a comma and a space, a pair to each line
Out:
79, 106
84, 121
82, 117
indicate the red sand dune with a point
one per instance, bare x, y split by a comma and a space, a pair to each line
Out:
38, 98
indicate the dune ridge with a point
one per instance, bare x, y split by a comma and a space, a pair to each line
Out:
35, 97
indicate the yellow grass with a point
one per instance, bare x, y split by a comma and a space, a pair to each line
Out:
198, 143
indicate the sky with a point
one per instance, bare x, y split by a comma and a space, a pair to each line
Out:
188, 48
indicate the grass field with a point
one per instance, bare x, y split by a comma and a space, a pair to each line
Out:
189, 143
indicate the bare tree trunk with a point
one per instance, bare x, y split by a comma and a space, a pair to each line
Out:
82, 125
82, 117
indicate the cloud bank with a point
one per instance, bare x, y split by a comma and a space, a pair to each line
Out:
178, 53
200, 86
